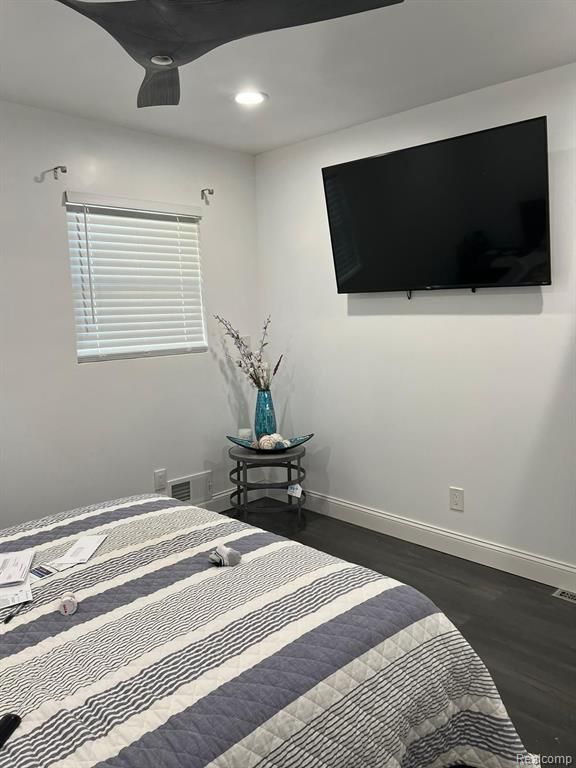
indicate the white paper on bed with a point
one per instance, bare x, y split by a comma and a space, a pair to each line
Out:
15, 566
14, 595
80, 552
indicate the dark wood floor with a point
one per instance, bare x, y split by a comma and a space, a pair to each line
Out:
526, 637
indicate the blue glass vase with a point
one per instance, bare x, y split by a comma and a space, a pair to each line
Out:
265, 419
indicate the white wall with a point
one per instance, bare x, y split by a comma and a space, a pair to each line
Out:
408, 398
76, 434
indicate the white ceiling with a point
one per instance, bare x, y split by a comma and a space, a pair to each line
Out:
320, 77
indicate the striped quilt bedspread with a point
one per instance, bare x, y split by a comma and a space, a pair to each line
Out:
292, 659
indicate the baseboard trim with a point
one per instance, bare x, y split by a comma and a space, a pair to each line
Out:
504, 558
220, 502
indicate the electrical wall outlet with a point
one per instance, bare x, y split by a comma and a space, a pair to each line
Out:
160, 479
457, 499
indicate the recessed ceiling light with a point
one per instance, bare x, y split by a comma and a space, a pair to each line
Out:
250, 98
162, 61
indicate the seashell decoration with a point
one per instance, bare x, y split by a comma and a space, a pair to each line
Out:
267, 443
271, 442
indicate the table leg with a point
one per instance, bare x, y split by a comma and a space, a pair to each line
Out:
290, 498
299, 500
245, 481
238, 490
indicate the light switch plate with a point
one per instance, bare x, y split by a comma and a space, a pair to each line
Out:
457, 499
160, 479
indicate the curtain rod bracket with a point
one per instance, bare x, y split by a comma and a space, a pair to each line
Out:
55, 171
205, 194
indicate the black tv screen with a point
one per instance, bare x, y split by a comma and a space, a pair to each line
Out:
467, 212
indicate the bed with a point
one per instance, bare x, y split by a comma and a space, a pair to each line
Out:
292, 659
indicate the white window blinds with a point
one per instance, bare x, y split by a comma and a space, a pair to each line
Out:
137, 282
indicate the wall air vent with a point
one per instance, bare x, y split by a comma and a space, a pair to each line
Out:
193, 489
181, 489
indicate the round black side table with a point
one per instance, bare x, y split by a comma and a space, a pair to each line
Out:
247, 460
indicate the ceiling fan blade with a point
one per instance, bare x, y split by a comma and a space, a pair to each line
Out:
160, 87
185, 30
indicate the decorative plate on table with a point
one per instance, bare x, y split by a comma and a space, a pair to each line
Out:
292, 443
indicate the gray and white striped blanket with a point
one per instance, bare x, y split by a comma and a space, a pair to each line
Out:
293, 659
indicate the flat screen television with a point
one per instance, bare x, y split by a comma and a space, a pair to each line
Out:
466, 212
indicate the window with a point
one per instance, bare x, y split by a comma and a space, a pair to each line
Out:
136, 278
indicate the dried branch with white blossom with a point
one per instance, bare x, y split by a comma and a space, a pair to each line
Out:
252, 364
